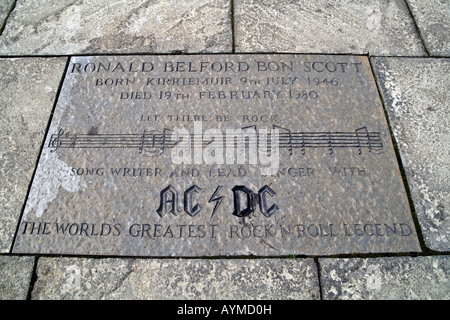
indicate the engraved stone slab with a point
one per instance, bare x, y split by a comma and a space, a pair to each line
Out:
212, 155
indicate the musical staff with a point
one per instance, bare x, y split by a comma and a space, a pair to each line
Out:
155, 142
359, 139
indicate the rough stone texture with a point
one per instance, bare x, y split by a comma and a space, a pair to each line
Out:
5, 8
433, 20
381, 27
333, 190
396, 278
72, 27
27, 93
74, 278
15, 277
418, 102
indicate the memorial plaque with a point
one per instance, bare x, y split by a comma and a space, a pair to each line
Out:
210, 155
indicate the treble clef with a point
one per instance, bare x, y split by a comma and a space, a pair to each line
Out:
55, 141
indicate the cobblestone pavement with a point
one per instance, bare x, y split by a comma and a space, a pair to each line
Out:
408, 45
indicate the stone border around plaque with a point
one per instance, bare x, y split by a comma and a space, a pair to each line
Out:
217, 155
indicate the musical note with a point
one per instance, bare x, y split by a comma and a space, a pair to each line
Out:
330, 148
163, 147
73, 140
357, 131
141, 148
303, 144
289, 138
252, 146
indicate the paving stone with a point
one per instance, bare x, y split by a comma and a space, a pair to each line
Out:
5, 8
395, 278
416, 96
27, 92
72, 27
15, 277
380, 27
241, 279
433, 20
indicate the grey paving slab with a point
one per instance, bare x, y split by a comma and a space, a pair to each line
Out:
417, 99
127, 170
5, 8
15, 277
27, 92
433, 20
377, 27
394, 278
65, 27
242, 279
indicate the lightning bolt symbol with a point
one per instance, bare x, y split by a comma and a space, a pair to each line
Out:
216, 199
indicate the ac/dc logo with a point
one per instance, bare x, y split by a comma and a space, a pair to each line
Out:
245, 201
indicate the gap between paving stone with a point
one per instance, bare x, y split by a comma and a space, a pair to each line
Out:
433, 21
419, 34
233, 43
